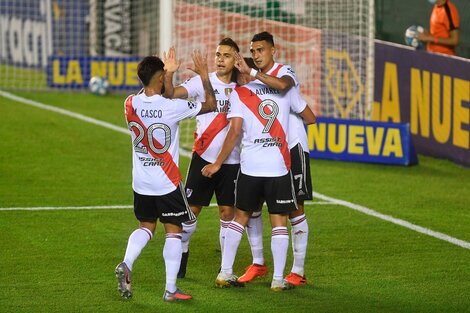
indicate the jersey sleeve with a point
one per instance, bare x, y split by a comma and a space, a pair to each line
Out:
298, 104
194, 88
186, 109
235, 108
289, 71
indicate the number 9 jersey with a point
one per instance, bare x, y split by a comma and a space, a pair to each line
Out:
154, 126
265, 114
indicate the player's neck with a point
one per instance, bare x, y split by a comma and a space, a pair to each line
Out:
226, 78
152, 91
268, 67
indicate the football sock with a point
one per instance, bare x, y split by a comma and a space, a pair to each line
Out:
299, 233
137, 241
223, 229
188, 231
172, 256
279, 246
254, 231
233, 236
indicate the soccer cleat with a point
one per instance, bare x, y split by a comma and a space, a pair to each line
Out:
227, 280
123, 275
281, 285
178, 295
253, 271
296, 279
183, 264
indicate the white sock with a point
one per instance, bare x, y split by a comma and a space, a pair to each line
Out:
233, 236
172, 256
188, 231
223, 229
279, 246
254, 231
137, 241
299, 233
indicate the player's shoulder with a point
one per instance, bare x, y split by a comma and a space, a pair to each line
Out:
192, 80
287, 69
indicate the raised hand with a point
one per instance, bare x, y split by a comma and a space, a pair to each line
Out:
169, 58
200, 63
241, 65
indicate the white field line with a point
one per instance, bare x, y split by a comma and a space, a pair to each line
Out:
107, 207
329, 200
394, 220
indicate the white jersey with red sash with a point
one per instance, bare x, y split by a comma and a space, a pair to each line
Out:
296, 133
212, 127
154, 126
265, 114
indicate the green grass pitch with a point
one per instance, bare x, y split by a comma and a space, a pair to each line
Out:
63, 260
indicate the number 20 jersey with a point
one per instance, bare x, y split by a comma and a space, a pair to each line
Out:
154, 126
265, 114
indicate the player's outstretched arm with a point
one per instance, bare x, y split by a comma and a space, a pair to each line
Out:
171, 66
282, 84
231, 139
201, 68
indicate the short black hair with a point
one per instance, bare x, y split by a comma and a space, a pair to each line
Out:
148, 67
250, 63
263, 36
229, 42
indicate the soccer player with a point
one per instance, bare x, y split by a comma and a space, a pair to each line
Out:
210, 132
260, 115
282, 78
156, 180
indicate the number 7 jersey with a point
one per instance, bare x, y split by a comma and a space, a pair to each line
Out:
154, 126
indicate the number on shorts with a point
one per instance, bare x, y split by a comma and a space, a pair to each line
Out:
299, 177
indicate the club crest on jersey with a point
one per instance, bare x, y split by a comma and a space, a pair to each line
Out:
189, 192
228, 91
191, 105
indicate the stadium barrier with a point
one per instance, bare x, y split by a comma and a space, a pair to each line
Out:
361, 141
431, 92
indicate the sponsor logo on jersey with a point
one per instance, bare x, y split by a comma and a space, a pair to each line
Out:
191, 105
189, 192
223, 106
291, 71
269, 142
216, 92
151, 161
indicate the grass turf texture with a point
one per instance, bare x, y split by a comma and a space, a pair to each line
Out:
63, 261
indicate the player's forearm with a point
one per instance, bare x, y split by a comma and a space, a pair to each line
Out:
282, 84
168, 83
227, 147
210, 104
308, 116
